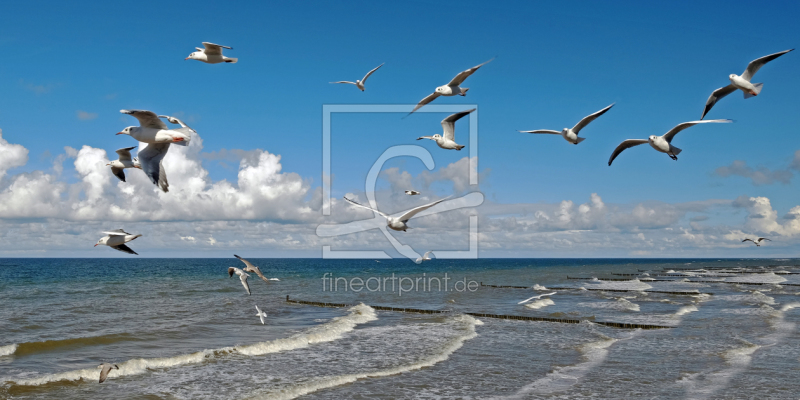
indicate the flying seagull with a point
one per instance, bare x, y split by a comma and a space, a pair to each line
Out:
662, 143
425, 257
757, 241
536, 297
242, 277
571, 135
399, 223
451, 89
117, 239
448, 142
742, 82
360, 83
125, 161
412, 192
211, 54
105, 368
261, 315
248, 267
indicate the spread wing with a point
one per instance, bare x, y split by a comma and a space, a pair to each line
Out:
368, 208
756, 64
243, 277
624, 145
431, 97
125, 155
750, 240
150, 160
104, 372
370, 73
585, 121
448, 124
674, 131
252, 268
463, 75
543, 131
352, 83
760, 239
117, 232
715, 96
119, 173
147, 119
214, 49
124, 248
427, 254
414, 211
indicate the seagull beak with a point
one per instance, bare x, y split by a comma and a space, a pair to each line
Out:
186, 58
120, 133
95, 245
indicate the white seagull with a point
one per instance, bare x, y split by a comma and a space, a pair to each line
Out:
155, 133
571, 135
536, 297
399, 223
757, 241
261, 315
742, 82
117, 239
662, 143
425, 257
105, 368
125, 161
360, 83
211, 54
249, 267
451, 89
242, 277
412, 192
448, 141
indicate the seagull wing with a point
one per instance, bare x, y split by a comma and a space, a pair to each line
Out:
448, 124
624, 145
756, 64
104, 372
147, 119
715, 96
427, 254
243, 277
117, 232
119, 173
674, 131
124, 248
368, 208
150, 160
414, 211
463, 75
751, 240
364, 79
352, 83
253, 268
543, 131
431, 97
760, 239
246, 263
125, 154
586, 120
214, 49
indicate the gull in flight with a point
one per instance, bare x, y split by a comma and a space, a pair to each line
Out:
571, 135
536, 297
757, 241
125, 161
105, 368
117, 239
425, 257
412, 192
448, 141
399, 223
360, 83
242, 277
451, 89
248, 267
211, 54
261, 315
662, 143
742, 82
154, 132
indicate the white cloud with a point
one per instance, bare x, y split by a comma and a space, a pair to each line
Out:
762, 219
758, 176
11, 155
86, 116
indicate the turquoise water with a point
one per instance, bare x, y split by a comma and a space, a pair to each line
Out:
181, 328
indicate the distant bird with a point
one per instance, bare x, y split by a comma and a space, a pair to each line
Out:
662, 143
274, 279
448, 142
262, 315
571, 135
211, 54
249, 267
451, 89
105, 368
399, 223
125, 161
242, 277
360, 83
742, 82
412, 192
117, 239
757, 241
155, 133
425, 257
536, 297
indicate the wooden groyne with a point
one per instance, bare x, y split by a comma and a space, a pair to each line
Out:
603, 290
381, 308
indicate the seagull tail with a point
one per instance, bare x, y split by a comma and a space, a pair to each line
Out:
580, 139
675, 150
464, 91
231, 60
756, 88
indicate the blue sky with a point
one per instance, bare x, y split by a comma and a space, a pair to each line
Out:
71, 68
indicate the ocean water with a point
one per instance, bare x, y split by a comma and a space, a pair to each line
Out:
182, 329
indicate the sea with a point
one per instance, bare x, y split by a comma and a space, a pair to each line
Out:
603, 329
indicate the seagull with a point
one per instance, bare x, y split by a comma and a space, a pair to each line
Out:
125, 161
662, 143
252, 268
261, 315
117, 239
536, 297
211, 54
399, 223
105, 369
742, 82
412, 192
360, 83
154, 132
448, 142
757, 241
571, 135
425, 257
451, 89
242, 277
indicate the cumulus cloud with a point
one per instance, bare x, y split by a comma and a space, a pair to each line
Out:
758, 176
11, 155
86, 116
762, 219
796, 161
